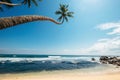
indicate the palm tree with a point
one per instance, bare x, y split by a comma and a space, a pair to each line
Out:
64, 13
6, 22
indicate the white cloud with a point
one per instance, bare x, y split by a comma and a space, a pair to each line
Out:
107, 46
114, 26
115, 31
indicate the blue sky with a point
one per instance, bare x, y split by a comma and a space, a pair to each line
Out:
87, 33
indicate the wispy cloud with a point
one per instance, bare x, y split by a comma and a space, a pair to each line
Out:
114, 26
106, 46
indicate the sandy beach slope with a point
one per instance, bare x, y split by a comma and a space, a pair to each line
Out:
62, 75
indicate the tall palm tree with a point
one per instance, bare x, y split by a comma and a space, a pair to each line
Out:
64, 13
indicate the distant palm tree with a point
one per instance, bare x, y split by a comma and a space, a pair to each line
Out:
64, 13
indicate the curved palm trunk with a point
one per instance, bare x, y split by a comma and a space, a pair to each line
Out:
12, 21
9, 4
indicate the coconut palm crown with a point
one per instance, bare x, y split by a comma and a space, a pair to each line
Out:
64, 13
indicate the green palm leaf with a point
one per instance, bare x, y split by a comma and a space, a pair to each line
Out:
60, 18
66, 19
70, 14
34, 1
58, 12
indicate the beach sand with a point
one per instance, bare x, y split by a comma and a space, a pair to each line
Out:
64, 75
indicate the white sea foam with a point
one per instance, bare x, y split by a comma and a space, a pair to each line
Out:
51, 58
22, 59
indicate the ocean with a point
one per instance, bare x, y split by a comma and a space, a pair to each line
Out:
23, 63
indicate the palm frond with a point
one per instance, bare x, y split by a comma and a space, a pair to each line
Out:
66, 19
34, 1
58, 12
70, 14
63, 8
29, 3
60, 18
8, 1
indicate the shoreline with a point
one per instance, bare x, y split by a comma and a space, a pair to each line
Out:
109, 74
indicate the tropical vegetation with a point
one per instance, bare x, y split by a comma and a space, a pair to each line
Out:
6, 22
